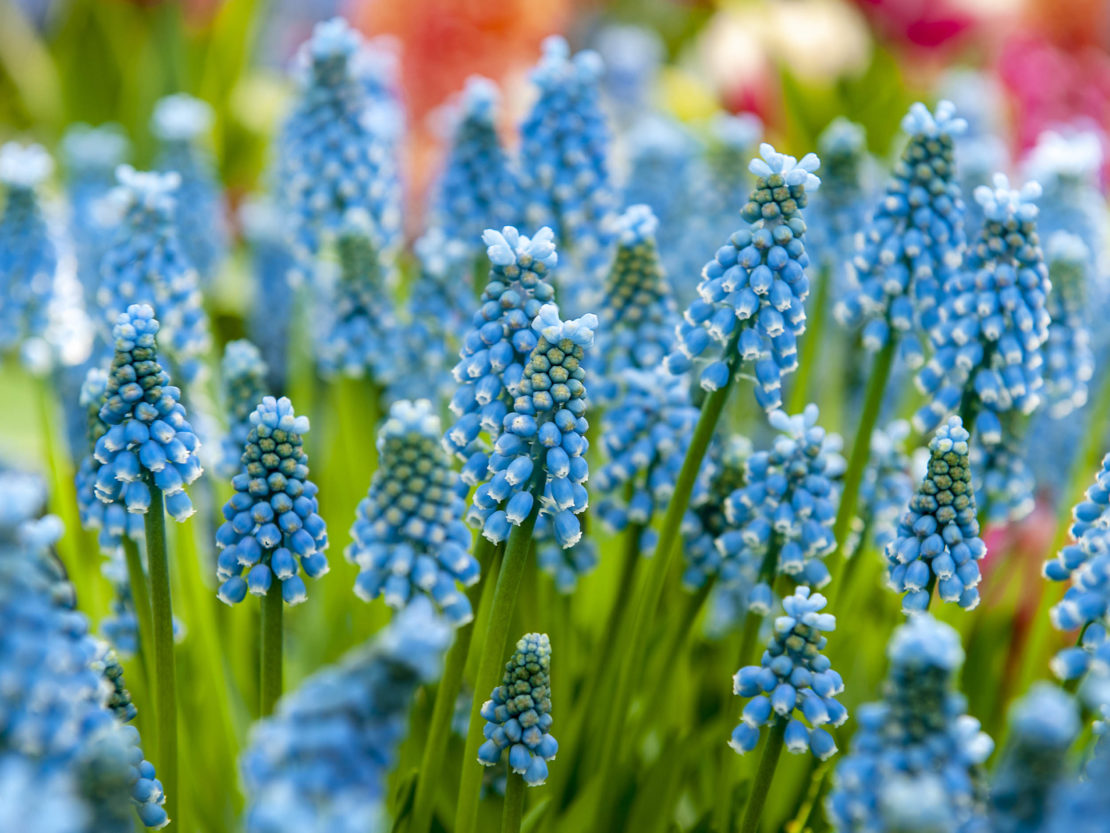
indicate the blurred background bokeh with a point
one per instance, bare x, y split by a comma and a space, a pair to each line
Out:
795, 63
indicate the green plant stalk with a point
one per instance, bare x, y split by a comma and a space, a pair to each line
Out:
443, 709
514, 804
772, 749
651, 589
270, 680
140, 599
818, 779
842, 590
493, 650
799, 394
861, 447
165, 672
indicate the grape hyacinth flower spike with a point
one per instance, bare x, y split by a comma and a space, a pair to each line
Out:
148, 441
145, 264
322, 761
408, 538
1069, 359
914, 242
780, 521
793, 681
272, 529
544, 438
28, 258
499, 343
988, 344
518, 713
750, 308
243, 380
564, 166
938, 543
477, 189
338, 148
180, 123
638, 313
917, 735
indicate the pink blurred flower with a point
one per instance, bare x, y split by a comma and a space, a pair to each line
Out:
923, 23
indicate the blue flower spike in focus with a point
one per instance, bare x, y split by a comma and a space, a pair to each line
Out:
409, 538
750, 308
148, 441
794, 683
544, 438
518, 713
28, 258
780, 521
988, 358
917, 734
499, 343
937, 543
272, 530
914, 241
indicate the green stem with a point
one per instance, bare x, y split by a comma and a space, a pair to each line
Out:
657, 568
817, 781
842, 590
763, 777
514, 804
140, 600
271, 666
492, 657
447, 693
165, 671
861, 445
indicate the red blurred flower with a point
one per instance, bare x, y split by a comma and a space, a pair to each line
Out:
924, 23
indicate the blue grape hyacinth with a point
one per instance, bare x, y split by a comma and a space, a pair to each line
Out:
988, 342
338, 147
543, 443
146, 264
938, 543
794, 682
180, 123
1043, 725
638, 312
723, 180
111, 520
914, 241
91, 156
1090, 522
271, 528
1003, 480
149, 440
243, 383
63, 704
1069, 361
750, 308
780, 521
322, 762
565, 566
918, 733
477, 189
646, 435
518, 713
564, 162
1081, 805
357, 334
28, 258
408, 538
499, 343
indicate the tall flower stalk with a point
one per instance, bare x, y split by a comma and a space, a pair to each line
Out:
147, 457
538, 466
912, 244
272, 530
